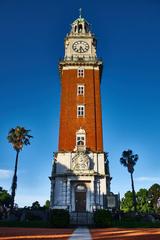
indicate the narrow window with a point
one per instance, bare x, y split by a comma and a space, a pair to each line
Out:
80, 141
80, 111
80, 90
80, 72
81, 138
80, 28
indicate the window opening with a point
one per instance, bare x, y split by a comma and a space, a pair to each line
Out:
80, 28
80, 188
80, 72
80, 111
80, 90
80, 138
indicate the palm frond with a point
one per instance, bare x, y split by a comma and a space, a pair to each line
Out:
129, 160
19, 137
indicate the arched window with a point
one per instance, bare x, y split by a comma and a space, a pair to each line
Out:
86, 28
81, 138
80, 141
81, 188
80, 27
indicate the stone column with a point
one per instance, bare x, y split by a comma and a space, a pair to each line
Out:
98, 191
52, 192
68, 193
64, 200
92, 194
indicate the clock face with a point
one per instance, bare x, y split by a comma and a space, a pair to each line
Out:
80, 46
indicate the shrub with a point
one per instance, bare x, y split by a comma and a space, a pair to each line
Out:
25, 224
59, 218
31, 216
102, 218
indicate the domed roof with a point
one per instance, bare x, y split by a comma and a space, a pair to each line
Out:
80, 26
80, 20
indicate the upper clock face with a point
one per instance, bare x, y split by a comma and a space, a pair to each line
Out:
80, 46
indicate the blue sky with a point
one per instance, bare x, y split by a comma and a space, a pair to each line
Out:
32, 42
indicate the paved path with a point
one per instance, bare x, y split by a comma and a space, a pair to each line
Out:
125, 234
14, 233
81, 234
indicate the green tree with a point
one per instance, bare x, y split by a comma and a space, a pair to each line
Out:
5, 201
127, 202
18, 137
154, 194
35, 205
5, 198
129, 160
47, 204
143, 204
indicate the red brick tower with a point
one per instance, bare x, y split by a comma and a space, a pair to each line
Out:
80, 179
80, 97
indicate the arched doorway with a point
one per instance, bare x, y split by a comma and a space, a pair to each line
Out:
80, 198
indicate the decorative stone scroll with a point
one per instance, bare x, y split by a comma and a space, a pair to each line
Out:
80, 162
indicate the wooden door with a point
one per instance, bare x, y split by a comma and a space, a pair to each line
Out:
80, 201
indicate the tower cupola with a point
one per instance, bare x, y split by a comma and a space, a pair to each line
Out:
80, 26
80, 42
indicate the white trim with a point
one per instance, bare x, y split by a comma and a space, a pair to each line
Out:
80, 110
81, 136
80, 72
80, 89
75, 67
81, 130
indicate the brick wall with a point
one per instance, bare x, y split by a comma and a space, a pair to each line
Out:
69, 122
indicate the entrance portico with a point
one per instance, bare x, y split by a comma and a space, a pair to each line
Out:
81, 195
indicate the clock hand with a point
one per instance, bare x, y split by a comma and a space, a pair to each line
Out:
81, 49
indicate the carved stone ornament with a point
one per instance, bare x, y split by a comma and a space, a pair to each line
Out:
80, 162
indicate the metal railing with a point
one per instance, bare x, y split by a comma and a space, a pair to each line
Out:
81, 218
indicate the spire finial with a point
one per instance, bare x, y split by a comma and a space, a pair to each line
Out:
80, 12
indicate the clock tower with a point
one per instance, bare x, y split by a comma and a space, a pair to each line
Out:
80, 179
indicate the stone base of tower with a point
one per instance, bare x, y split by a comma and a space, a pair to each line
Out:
80, 181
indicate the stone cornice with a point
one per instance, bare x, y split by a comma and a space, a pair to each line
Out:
69, 63
76, 174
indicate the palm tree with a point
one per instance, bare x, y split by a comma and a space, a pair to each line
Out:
18, 137
129, 160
